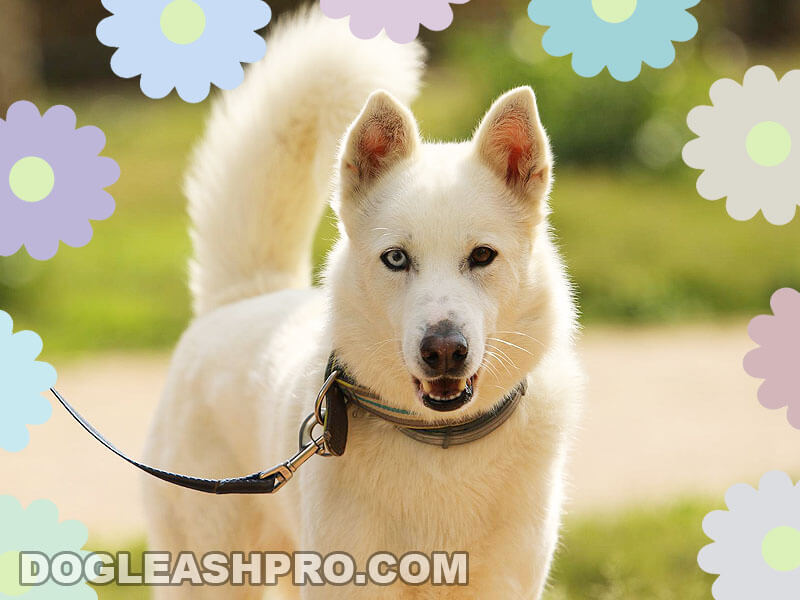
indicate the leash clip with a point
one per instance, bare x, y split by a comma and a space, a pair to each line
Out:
286, 471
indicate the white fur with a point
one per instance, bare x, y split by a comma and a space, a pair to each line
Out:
246, 372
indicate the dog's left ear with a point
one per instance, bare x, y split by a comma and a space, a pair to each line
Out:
383, 136
513, 144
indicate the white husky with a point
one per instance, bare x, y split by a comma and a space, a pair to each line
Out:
443, 294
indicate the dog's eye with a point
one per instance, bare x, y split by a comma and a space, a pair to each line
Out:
396, 259
482, 256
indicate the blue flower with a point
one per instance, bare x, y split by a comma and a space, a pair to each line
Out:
22, 381
184, 44
37, 529
618, 34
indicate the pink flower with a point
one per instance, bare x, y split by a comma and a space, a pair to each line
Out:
777, 361
400, 18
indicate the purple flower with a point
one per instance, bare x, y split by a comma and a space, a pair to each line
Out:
401, 18
776, 361
51, 180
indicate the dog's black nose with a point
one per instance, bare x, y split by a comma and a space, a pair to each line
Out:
444, 349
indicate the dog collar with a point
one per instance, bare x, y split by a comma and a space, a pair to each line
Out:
418, 427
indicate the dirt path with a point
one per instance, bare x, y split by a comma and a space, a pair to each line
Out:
672, 411
669, 412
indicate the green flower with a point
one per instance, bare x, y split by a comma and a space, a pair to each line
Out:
37, 529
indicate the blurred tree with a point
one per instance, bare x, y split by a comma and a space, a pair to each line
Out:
19, 51
71, 53
769, 23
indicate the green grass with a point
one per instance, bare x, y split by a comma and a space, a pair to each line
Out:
641, 246
644, 248
636, 555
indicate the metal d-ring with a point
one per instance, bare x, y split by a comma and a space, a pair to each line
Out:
319, 408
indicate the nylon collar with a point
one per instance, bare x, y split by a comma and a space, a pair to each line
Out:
416, 426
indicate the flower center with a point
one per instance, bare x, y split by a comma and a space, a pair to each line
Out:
183, 22
9, 575
614, 11
781, 548
769, 144
31, 179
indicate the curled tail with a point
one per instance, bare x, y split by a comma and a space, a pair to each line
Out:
260, 176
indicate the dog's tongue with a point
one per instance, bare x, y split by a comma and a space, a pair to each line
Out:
443, 388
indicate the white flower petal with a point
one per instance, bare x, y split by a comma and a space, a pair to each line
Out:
711, 559
716, 522
790, 83
723, 90
727, 587
779, 210
699, 119
741, 206
761, 77
697, 153
775, 482
713, 186
741, 497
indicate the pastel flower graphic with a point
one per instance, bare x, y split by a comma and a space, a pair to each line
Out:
400, 18
776, 360
618, 34
756, 549
23, 379
51, 180
37, 529
184, 44
748, 145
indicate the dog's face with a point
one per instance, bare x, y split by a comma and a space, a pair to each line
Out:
438, 248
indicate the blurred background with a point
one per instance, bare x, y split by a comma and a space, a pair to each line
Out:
666, 280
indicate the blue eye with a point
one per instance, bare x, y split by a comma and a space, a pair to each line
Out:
396, 259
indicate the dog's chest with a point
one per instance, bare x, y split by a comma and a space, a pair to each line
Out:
414, 496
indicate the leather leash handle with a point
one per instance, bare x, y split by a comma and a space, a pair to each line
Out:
263, 482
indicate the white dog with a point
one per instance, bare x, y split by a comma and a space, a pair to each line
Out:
444, 296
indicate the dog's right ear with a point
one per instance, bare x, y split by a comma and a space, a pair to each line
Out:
512, 143
383, 135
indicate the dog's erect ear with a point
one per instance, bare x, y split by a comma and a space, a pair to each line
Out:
384, 134
512, 143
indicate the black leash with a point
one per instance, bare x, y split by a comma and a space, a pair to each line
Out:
263, 482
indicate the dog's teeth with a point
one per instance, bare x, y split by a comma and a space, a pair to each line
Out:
427, 387
462, 385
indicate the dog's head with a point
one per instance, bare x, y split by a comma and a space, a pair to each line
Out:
439, 283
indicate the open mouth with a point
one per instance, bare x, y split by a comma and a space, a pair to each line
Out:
446, 394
